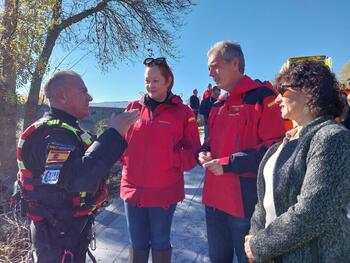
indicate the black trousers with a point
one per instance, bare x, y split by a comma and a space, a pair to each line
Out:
50, 242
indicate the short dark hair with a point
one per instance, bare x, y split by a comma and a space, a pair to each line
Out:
57, 81
215, 88
316, 80
229, 50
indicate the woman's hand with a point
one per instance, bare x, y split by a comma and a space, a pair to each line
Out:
204, 157
247, 249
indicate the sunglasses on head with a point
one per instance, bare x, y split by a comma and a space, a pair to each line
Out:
282, 88
155, 61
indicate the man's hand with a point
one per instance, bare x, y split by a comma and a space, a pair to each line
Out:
122, 121
204, 157
247, 249
214, 166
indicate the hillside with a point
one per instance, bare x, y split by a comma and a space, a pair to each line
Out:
110, 104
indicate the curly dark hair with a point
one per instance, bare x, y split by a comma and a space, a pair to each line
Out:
316, 80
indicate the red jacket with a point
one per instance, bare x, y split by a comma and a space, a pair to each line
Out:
161, 145
241, 128
206, 94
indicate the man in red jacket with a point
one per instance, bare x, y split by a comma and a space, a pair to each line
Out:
207, 92
241, 128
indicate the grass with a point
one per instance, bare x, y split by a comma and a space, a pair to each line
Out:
14, 238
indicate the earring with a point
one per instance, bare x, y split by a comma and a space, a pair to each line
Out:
306, 110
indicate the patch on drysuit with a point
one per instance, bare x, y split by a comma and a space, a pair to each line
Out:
51, 176
56, 157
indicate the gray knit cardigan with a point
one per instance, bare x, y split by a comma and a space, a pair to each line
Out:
311, 191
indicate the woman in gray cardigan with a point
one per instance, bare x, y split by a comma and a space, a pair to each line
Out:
304, 182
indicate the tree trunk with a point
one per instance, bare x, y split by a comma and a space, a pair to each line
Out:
31, 106
8, 102
8, 124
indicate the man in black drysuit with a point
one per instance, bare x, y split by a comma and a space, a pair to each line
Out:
62, 170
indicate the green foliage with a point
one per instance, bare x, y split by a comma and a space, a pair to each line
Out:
26, 41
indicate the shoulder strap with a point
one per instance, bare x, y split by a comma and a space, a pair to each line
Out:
41, 124
84, 136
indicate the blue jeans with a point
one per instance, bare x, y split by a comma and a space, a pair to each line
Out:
149, 227
225, 236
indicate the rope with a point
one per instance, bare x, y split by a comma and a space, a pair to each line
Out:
91, 256
70, 254
190, 200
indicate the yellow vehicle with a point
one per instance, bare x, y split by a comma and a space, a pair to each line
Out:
291, 62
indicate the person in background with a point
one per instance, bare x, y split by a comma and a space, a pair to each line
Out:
194, 103
241, 128
346, 119
161, 146
205, 108
62, 170
303, 182
207, 92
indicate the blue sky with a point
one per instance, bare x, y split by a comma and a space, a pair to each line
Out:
269, 32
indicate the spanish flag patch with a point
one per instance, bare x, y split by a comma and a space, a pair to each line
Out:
192, 119
57, 156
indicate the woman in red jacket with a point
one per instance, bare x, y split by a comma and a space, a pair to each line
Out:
161, 145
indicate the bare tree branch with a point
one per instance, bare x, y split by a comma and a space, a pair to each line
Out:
78, 17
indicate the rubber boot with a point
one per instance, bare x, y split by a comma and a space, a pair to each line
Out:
161, 256
138, 256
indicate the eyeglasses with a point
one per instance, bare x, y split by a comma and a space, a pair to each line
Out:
282, 88
155, 61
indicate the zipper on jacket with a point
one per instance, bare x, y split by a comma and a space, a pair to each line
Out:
237, 142
153, 115
142, 188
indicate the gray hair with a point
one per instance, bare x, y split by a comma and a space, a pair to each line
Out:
58, 81
229, 50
